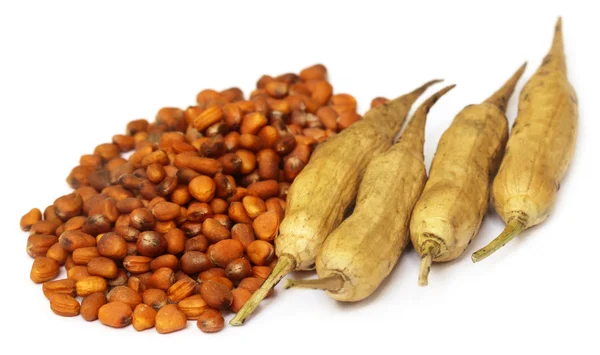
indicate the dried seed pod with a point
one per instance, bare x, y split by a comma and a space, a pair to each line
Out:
260, 252
112, 245
89, 285
124, 294
154, 298
216, 295
151, 244
162, 279
39, 244
115, 314
170, 319
91, 305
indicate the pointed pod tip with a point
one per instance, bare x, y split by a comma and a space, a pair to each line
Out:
558, 25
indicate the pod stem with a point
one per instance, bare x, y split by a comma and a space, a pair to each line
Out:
512, 229
284, 266
333, 283
430, 251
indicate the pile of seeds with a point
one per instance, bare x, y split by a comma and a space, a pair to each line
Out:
182, 229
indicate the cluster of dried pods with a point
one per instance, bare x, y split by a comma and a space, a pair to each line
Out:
183, 228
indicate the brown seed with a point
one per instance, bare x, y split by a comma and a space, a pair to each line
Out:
91, 305
210, 321
343, 103
238, 213
292, 167
119, 280
90, 160
69, 263
225, 251
154, 298
141, 219
170, 319
285, 144
151, 244
197, 243
240, 297
251, 283
68, 206
208, 117
321, 92
191, 229
136, 284
232, 164
112, 245
192, 160
155, 173
135, 126
57, 253
148, 190
137, 264
254, 206
166, 211
165, 261
193, 306
238, 269
156, 157
167, 186
274, 205
243, 233
248, 161
232, 116
33, 216
265, 226
314, 72
268, 135
224, 220
261, 272
43, 269
130, 181
175, 241
346, 119
78, 176
129, 204
181, 195
107, 151
124, 294
193, 262
225, 185
128, 233
232, 141
64, 305
268, 163
71, 240
264, 189
64, 286
253, 122
277, 89
215, 294
123, 142
199, 211
284, 187
77, 273
180, 147
213, 147
202, 188
181, 289
102, 266
89, 285
39, 244
144, 317
251, 142
214, 231
219, 206
223, 281
211, 273
260, 252
115, 314
150, 204
96, 224
162, 279
45, 227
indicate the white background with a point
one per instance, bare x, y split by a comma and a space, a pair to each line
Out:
73, 73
